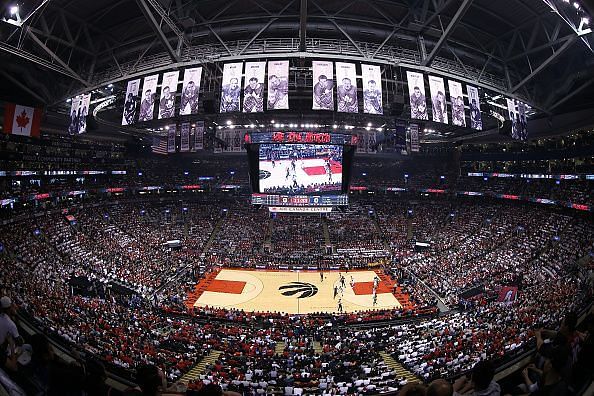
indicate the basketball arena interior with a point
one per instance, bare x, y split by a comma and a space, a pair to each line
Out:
296, 197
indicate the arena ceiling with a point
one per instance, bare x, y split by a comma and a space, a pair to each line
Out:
539, 51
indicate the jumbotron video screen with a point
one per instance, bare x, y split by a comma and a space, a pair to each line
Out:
300, 168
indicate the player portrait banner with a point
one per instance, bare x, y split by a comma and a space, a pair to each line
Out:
372, 89
79, 109
372, 142
130, 101
346, 88
237, 140
323, 85
185, 137
513, 117
457, 101
147, 101
476, 121
168, 90
199, 135
217, 144
190, 91
253, 87
278, 85
523, 122
414, 138
171, 138
416, 93
438, 99
231, 88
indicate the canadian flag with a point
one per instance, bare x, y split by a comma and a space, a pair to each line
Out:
22, 120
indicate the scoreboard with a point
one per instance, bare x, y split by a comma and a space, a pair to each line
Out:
300, 200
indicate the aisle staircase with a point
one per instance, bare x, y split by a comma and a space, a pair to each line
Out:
401, 372
279, 348
317, 346
213, 234
199, 368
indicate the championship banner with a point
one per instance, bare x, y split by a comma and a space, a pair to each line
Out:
416, 93
228, 139
79, 109
361, 142
323, 97
231, 91
253, 87
372, 141
513, 117
171, 138
476, 121
199, 136
346, 88
414, 138
22, 120
523, 124
129, 115
185, 137
149, 94
438, 99
190, 91
457, 101
237, 140
372, 89
168, 90
278, 85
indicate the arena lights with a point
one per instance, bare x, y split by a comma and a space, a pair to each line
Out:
166, 127
334, 126
229, 122
252, 126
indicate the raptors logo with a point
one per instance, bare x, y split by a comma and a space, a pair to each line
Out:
264, 174
303, 289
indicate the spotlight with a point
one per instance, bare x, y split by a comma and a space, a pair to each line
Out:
14, 10
166, 127
334, 126
109, 85
369, 124
576, 5
367, 128
302, 126
252, 126
585, 21
272, 121
228, 122
277, 125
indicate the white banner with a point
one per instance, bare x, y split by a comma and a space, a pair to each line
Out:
171, 138
253, 87
346, 88
79, 109
476, 121
231, 88
278, 85
457, 101
416, 93
130, 102
323, 74
523, 124
236, 144
513, 117
199, 135
372, 142
149, 94
168, 90
185, 137
190, 91
414, 138
438, 99
372, 89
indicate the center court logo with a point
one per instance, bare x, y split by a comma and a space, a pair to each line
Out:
303, 289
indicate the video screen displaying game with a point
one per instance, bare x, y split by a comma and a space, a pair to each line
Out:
300, 168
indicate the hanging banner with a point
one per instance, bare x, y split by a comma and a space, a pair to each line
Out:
79, 109
199, 135
147, 104
237, 140
346, 88
372, 89
523, 123
171, 138
438, 101
253, 87
278, 85
185, 137
414, 138
416, 93
360, 143
372, 141
231, 91
168, 90
457, 101
190, 91
513, 117
476, 121
323, 96
130, 102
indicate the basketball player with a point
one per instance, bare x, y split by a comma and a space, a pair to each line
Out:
374, 299
340, 305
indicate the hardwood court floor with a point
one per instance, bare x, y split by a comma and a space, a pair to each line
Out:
259, 291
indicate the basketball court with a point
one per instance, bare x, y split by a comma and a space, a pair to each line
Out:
293, 292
